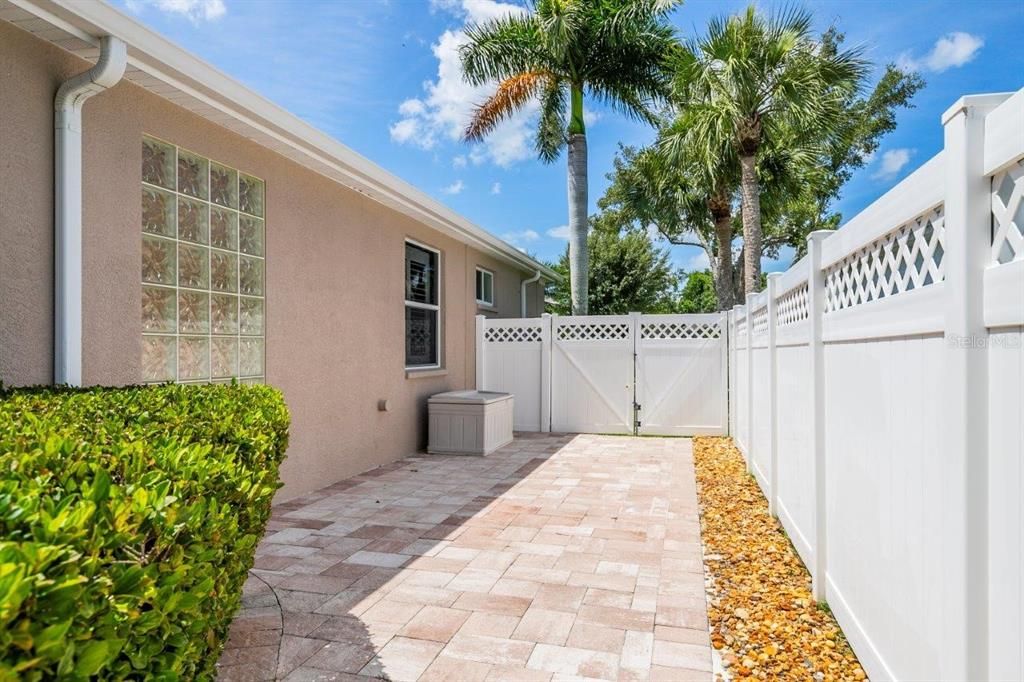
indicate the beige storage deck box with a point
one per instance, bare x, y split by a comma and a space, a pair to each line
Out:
469, 422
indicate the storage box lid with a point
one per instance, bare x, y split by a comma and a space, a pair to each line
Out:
469, 397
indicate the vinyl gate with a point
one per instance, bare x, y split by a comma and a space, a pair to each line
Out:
644, 374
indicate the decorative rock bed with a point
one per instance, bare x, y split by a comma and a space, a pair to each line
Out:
764, 621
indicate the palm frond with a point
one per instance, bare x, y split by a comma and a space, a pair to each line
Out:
628, 57
562, 26
551, 130
510, 96
501, 48
631, 102
753, 75
614, 50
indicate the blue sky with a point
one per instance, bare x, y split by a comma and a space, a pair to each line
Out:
382, 76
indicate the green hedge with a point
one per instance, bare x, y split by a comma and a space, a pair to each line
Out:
128, 521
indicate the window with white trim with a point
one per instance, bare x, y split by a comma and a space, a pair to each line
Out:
422, 306
484, 287
202, 269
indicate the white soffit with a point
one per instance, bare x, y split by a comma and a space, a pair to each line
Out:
163, 68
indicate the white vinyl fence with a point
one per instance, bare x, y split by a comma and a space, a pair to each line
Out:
647, 374
877, 392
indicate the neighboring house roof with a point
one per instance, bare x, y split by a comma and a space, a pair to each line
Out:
167, 70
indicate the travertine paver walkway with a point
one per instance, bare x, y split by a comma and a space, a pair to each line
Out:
558, 557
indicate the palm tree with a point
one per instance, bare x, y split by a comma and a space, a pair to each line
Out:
751, 80
692, 200
612, 50
708, 189
665, 187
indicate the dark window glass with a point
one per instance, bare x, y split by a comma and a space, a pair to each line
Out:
422, 310
420, 336
420, 275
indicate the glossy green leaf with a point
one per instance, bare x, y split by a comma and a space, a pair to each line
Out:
127, 519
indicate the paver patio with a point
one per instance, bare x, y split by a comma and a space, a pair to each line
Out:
557, 557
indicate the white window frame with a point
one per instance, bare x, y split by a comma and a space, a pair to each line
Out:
425, 306
488, 273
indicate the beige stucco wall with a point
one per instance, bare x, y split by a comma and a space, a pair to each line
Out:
334, 271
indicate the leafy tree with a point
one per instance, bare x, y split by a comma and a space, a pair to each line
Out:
627, 274
683, 200
759, 82
667, 185
698, 295
612, 50
841, 150
690, 204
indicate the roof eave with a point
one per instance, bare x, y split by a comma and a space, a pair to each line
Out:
187, 73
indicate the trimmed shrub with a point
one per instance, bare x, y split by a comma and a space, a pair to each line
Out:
129, 518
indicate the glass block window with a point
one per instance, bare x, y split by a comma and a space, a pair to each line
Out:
422, 306
203, 298
484, 287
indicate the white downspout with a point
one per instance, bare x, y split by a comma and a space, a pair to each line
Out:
67, 203
522, 292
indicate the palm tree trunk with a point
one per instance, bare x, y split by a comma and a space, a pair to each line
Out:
737, 279
751, 193
723, 269
578, 256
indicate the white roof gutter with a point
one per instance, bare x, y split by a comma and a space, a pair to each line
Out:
67, 203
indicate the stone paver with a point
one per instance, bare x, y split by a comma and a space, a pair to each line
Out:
556, 557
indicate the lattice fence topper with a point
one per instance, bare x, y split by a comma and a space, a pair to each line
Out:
909, 257
679, 330
512, 334
1008, 214
593, 331
791, 307
741, 327
760, 320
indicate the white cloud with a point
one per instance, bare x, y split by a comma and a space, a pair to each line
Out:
496, 188
444, 5
951, 50
454, 188
411, 130
475, 10
448, 103
560, 232
411, 107
459, 161
516, 238
194, 10
893, 161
